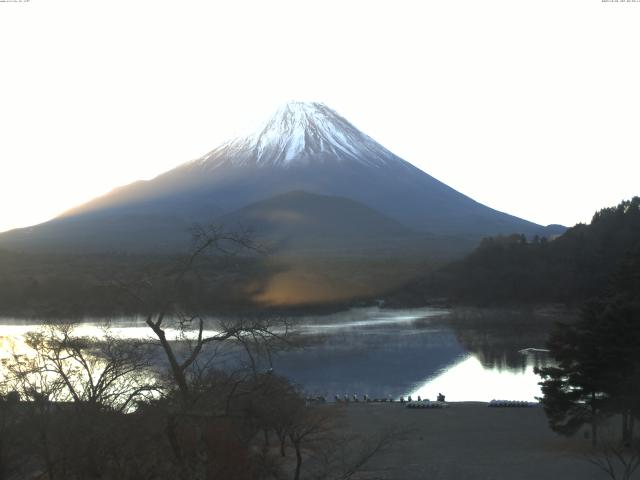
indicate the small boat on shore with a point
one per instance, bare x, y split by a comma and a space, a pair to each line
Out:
512, 404
427, 404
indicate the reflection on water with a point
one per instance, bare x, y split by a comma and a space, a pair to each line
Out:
393, 353
470, 380
470, 355
496, 336
374, 355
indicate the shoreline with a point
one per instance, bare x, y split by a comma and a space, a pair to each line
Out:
469, 440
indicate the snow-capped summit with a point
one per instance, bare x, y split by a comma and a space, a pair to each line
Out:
301, 132
304, 148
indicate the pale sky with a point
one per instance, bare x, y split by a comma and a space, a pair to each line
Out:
528, 106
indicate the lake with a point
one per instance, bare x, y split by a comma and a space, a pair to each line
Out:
469, 355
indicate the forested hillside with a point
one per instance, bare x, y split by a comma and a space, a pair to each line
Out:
584, 262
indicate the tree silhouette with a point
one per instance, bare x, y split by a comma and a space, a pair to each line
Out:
597, 371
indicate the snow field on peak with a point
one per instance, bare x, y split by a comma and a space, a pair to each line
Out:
296, 132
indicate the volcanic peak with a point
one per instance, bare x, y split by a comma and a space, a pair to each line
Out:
299, 132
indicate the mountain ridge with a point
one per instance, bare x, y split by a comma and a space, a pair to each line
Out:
303, 147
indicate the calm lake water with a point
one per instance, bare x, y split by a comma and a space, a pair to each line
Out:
392, 353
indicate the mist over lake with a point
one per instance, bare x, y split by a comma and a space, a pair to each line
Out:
384, 353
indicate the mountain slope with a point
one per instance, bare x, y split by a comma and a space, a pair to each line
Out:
306, 147
103, 232
301, 220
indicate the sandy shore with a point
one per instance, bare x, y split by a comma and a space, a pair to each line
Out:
470, 441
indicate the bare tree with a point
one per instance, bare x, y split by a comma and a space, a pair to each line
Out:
204, 422
341, 456
173, 303
307, 426
76, 391
166, 307
617, 460
106, 371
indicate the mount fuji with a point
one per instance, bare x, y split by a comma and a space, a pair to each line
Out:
306, 177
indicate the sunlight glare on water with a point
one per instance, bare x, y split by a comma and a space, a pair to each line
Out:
130, 331
469, 380
383, 353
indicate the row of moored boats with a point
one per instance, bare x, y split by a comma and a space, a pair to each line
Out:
513, 403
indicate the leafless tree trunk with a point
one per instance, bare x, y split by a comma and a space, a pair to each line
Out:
190, 325
618, 459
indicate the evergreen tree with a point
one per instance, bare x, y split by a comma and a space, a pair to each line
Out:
597, 371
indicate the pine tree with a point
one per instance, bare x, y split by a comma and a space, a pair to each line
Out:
597, 371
